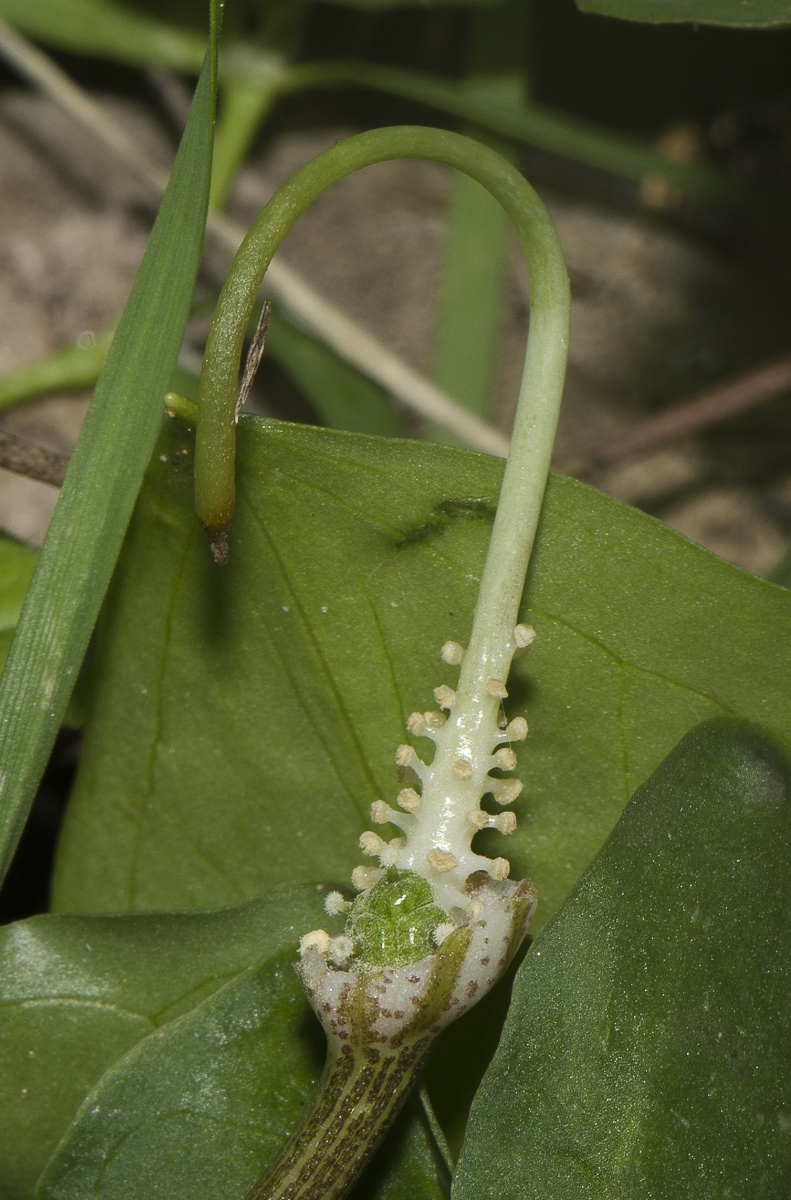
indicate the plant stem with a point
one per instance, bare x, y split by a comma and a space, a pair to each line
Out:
359, 1096
542, 381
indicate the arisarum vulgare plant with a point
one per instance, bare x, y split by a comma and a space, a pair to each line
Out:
434, 924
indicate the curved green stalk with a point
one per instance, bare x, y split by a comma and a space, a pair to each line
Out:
542, 382
445, 919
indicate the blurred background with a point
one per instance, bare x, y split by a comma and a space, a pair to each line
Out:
662, 151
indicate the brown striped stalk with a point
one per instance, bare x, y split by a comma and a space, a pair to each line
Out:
380, 1027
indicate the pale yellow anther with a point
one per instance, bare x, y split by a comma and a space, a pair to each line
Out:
416, 725
442, 860
500, 868
452, 653
445, 696
335, 904
462, 769
405, 757
516, 730
505, 823
434, 720
409, 799
475, 907
318, 938
381, 812
505, 791
340, 950
397, 843
441, 932
371, 843
389, 855
364, 878
495, 688
505, 758
478, 818
524, 635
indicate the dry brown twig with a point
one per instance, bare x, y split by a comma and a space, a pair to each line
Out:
23, 458
701, 411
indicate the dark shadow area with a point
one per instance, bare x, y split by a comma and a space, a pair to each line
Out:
25, 891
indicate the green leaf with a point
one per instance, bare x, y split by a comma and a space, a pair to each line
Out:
17, 563
76, 993
202, 1106
535, 124
108, 29
757, 14
73, 368
340, 394
104, 476
647, 1051
781, 571
476, 243
381, 5
245, 717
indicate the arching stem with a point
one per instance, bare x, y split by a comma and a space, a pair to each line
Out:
545, 359
381, 1026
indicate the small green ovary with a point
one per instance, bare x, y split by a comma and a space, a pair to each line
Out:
393, 924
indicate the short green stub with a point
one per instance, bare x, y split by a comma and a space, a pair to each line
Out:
393, 924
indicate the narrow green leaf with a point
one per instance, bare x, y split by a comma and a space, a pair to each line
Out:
104, 477
381, 5
781, 571
342, 396
17, 563
468, 327
756, 14
76, 993
73, 368
245, 103
478, 231
647, 1051
108, 29
532, 123
245, 719
199, 1108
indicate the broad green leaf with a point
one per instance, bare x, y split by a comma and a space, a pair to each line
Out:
340, 394
647, 1050
105, 474
76, 993
108, 29
199, 1108
758, 14
245, 717
17, 563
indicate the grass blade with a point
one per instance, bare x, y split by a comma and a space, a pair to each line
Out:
342, 396
105, 28
106, 471
534, 124
476, 245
